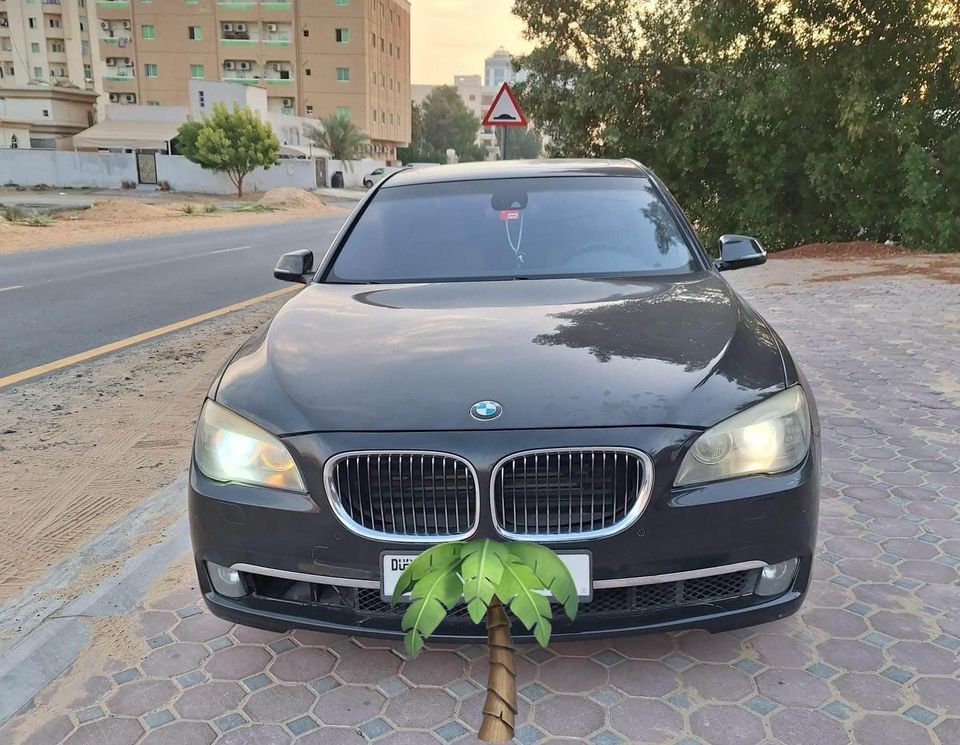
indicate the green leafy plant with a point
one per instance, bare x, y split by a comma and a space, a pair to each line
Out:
231, 142
39, 220
188, 209
491, 578
209, 208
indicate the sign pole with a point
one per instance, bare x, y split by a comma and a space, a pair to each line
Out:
503, 143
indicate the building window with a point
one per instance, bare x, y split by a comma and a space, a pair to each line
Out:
14, 142
148, 32
309, 109
342, 35
374, 112
153, 103
35, 47
150, 70
343, 74
55, 22
307, 71
341, 2
343, 112
88, 72
391, 48
383, 117
38, 73
194, 33
85, 47
32, 22
306, 32
196, 72
46, 113
383, 45
373, 39
200, 96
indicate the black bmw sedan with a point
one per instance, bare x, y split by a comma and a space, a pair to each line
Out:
528, 351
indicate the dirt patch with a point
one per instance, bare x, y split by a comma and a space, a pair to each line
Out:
117, 219
843, 251
82, 447
117, 211
939, 268
291, 198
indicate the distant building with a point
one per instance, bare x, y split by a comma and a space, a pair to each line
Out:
498, 69
144, 129
316, 57
44, 116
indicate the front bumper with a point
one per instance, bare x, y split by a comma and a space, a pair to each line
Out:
741, 523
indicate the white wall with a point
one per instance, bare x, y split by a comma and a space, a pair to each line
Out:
61, 168
353, 170
182, 175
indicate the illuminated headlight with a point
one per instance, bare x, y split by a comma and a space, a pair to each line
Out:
776, 578
770, 437
229, 448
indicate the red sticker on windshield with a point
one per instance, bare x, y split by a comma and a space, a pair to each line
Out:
510, 214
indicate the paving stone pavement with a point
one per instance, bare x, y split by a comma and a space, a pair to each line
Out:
873, 657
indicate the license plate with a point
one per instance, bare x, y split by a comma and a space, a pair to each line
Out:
579, 564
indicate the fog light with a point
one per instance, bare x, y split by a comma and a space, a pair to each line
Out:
226, 581
776, 578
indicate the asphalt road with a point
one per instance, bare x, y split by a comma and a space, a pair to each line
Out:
63, 301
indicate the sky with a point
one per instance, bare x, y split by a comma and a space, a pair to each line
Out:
453, 37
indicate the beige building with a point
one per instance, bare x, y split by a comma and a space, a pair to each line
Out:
48, 42
45, 116
315, 57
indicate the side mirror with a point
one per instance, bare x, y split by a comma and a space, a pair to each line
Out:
738, 251
296, 266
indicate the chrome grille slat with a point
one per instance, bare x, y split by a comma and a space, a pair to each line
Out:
411, 496
566, 494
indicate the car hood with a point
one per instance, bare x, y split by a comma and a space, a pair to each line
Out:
555, 353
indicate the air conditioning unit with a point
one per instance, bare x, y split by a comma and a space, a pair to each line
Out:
276, 67
288, 102
111, 61
127, 62
104, 25
114, 97
228, 65
244, 65
130, 98
226, 26
240, 27
272, 28
125, 24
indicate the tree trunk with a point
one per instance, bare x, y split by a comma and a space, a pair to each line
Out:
500, 708
240, 185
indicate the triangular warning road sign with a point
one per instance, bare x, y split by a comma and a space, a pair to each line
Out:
505, 111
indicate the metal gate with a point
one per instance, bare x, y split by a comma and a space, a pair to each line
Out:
147, 168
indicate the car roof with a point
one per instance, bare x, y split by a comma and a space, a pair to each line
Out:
504, 169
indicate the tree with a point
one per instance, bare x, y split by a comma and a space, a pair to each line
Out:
418, 151
448, 123
794, 120
231, 142
490, 577
521, 143
338, 135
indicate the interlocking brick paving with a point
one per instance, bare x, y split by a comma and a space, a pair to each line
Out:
872, 658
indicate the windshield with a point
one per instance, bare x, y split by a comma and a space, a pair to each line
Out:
514, 228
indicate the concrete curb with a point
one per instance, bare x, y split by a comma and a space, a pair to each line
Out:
47, 632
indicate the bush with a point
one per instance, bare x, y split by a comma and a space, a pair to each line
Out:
208, 208
188, 208
39, 220
14, 213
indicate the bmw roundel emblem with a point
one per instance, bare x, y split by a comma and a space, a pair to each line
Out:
486, 411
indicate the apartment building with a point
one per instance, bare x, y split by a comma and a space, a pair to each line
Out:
314, 57
47, 42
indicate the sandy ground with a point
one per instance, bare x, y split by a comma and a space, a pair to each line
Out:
116, 219
80, 448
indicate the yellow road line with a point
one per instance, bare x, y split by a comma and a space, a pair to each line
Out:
136, 339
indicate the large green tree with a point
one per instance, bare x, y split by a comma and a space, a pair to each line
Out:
448, 123
794, 120
338, 135
418, 151
231, 142
521, 143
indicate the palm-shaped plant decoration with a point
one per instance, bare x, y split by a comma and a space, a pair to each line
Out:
490, 577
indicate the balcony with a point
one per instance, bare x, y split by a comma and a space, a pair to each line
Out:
278, 81
275, 6
107, 4
120, 75
236, 5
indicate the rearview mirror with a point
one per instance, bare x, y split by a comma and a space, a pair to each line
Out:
296, 266
738, 251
